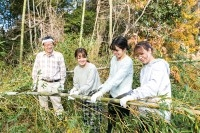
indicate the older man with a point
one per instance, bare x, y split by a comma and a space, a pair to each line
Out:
49, 73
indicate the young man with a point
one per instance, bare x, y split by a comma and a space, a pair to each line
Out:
49, 73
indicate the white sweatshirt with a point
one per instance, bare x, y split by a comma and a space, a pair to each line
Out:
120, 77
155, 81
86, 79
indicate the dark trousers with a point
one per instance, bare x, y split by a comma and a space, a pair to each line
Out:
114, 111
92, 115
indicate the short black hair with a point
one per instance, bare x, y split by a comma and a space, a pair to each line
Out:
120, 42
47, 37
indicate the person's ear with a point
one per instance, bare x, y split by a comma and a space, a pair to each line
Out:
149, 50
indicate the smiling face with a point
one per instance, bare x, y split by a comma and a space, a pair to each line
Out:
143, 55
81, 56
82, 60
48, 47
119, 53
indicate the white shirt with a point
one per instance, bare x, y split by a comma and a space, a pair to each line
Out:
120, 77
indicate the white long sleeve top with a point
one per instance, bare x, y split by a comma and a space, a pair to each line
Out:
120, 77
154, 80
86, 79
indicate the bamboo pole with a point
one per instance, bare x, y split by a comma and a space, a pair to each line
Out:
82, 24
22, 34
29, 25
103, 99
96, 20
184, 61
177, 61
110, 22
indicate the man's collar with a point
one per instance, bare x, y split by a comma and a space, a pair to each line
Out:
44, 53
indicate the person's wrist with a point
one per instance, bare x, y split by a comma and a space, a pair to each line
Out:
78, 91
99, 94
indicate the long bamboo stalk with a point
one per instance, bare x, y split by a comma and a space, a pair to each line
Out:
110, 21
82, 24
103, 99
29, 25
22, 34
184, 61
96, 19
177, 61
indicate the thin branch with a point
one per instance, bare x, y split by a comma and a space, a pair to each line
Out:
96, 19
142, 12
33, 26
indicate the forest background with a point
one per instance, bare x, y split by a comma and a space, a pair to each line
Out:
171, 26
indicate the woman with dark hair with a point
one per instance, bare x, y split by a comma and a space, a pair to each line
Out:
154, 80
119, 82
86, 81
